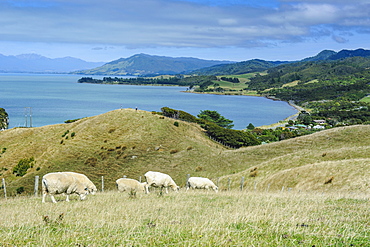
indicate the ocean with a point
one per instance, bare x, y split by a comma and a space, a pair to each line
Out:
45, 99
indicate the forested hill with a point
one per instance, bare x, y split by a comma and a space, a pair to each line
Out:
238, 68
311, 81
257, 65
143, 64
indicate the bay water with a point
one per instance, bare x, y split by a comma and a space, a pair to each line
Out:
45, 99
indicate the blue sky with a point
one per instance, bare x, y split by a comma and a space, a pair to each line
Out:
235, 30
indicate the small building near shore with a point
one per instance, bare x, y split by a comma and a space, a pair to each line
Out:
320, 121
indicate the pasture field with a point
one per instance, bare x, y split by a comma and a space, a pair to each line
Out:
193, 218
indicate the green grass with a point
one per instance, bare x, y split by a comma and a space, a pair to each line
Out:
194, 218
366, 99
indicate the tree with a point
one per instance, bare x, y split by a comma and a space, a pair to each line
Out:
215, 117
250, 126
4, 119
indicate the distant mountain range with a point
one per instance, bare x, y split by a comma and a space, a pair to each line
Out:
144, 64
149, 65
34, 63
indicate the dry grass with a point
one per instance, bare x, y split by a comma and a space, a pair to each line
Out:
129, 142
194, 218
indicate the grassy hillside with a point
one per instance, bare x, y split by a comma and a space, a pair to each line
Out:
129, 142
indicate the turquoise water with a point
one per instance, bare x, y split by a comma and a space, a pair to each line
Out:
52, 99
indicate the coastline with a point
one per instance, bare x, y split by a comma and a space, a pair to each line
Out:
281, 123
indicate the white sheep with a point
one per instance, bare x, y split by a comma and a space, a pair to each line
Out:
200, 183
161, 180
130, 185
59, 183
85, 180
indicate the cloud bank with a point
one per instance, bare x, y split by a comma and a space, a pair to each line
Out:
169, 23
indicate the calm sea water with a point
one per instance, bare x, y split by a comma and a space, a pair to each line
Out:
52, 99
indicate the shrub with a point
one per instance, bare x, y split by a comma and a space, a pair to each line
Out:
230, 137
199, 168
177, 114
23, 165
65, 133
173, 151
20, 190
176, 124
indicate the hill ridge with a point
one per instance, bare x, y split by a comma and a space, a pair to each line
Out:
129, 142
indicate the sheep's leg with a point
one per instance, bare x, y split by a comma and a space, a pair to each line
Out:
67, 197
43, 197
53, 199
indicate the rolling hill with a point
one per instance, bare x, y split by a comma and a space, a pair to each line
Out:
143, 64
129, 142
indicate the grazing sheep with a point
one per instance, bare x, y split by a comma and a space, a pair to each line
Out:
200, 183
161, 180
91, 188
85, 180
130, 185
59, 183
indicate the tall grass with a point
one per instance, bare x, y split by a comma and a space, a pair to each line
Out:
194, 218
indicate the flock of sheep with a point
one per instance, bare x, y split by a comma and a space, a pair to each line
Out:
76, 183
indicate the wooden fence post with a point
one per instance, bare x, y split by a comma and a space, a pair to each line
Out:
102, 183
4, 186
242, 184
36, 185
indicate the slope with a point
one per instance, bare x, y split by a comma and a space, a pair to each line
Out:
143, 64
129, 142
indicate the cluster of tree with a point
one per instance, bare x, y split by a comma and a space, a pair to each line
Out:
216, 126
341, 112
202, 81
230, 79
4, 119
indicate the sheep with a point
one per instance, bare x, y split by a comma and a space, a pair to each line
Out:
91, 188
59, 183
130, 185
161, 180
85, 180
200, 183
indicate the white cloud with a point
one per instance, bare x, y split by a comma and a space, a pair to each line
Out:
147, 24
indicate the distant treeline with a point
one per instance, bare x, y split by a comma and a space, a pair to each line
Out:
180, 80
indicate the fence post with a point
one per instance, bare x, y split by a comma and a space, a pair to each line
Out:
242, 184
228, 184
4, 186
36, 190
102, 183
